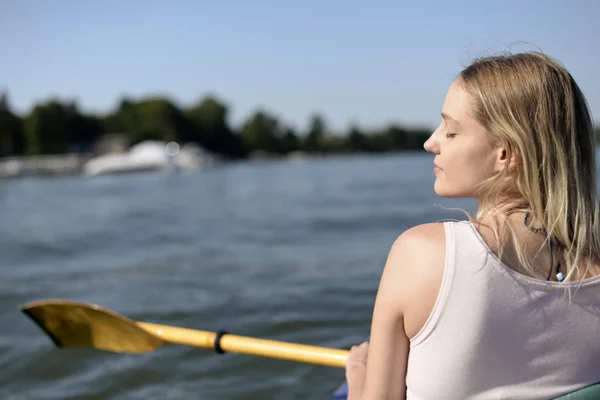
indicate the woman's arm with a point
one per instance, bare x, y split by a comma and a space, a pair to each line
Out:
411, 278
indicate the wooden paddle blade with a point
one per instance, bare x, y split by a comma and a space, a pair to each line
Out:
74, 324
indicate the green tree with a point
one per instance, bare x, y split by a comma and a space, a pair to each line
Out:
210, 129
380, 141
357, 141
48, 128
398, 137
289, 141
316, 132
153, 119
417, 138
261, 133
85, 130
123, 117
56, 127
334, 144
12, 141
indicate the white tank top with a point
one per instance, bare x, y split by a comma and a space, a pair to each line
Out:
497, 334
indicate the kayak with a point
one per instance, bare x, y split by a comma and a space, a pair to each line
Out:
588, 393
340, 393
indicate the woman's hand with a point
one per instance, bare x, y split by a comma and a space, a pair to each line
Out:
356, 370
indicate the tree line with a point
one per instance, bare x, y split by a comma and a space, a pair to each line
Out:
56, 126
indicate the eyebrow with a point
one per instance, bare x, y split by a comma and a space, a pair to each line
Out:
446, 116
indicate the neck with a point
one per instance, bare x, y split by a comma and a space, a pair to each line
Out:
504, 207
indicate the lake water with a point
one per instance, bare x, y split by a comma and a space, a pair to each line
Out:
277, 250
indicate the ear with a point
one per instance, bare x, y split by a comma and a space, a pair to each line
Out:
507, 157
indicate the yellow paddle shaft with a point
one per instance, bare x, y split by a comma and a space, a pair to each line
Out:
248, 345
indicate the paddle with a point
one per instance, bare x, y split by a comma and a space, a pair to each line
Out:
75, 324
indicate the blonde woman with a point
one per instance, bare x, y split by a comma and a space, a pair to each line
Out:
506, 305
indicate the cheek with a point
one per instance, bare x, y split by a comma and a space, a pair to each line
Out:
477, 166
464, 172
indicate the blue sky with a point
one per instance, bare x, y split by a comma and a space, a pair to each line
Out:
368, 62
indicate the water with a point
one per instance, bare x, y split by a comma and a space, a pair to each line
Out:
285, 251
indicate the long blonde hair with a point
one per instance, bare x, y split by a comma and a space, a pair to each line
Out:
532, 105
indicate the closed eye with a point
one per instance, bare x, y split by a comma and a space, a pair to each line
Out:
450, 135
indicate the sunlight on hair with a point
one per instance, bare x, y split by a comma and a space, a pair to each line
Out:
533, 106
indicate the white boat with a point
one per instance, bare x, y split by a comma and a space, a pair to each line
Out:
150, 156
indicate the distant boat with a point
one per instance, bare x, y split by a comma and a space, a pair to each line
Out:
149, 156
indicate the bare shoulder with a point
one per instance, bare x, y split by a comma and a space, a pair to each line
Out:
417, 253
417, 238
414, 271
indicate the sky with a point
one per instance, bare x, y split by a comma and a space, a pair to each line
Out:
369, 63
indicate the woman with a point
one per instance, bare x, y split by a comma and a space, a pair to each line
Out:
506, 305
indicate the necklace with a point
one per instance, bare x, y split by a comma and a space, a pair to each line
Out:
559, 275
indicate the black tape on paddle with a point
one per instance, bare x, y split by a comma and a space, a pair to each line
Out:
218, 347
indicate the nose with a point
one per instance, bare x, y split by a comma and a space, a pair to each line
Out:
431, 145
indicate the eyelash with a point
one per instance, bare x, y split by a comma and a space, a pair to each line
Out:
450, 135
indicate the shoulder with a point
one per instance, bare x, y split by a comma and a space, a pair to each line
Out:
418, 246
417, 251
413, 273
415, 239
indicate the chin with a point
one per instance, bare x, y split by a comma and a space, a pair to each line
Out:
449, 192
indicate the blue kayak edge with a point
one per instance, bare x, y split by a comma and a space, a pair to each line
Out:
341, 393
588, 393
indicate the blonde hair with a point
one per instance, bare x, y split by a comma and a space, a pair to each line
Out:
531, 104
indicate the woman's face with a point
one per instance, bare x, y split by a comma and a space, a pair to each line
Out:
465, 154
